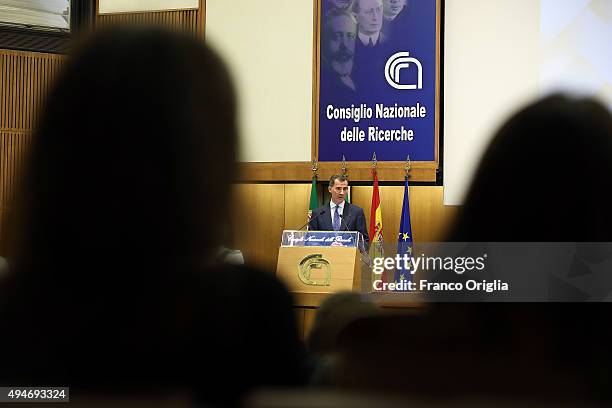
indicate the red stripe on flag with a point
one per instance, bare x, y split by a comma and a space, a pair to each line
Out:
375, 205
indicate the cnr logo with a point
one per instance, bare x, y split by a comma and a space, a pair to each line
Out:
314, 270
396, 63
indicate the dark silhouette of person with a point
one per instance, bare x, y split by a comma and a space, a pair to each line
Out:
126, 194
490, 353
542, 177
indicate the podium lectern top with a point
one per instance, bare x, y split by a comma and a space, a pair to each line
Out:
350, 239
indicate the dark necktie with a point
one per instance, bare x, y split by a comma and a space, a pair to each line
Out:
371, 43
336, 220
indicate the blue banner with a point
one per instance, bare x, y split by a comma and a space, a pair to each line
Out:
377, 80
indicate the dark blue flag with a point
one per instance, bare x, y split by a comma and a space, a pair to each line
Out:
404, 241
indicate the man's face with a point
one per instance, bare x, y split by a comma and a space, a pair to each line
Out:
338, 191
340, 4
342, 34
393, 7
370, 16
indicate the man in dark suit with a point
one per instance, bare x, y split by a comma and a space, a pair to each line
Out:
370, 22
371, 48
394, 18
339, 215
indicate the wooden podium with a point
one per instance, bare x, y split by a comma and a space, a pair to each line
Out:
313, 264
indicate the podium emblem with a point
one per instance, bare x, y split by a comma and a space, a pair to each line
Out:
314, 270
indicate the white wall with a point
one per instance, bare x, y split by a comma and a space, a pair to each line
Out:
491, 67
268, 47
500, 54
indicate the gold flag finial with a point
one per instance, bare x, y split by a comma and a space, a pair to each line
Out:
374, 161
343, 167
315, 166
408, 166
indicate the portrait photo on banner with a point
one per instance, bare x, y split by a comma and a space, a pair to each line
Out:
378, 80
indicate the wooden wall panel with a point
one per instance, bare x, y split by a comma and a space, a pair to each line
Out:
189, 21
259, 217
181, 20
357, 171
297, 199
25, 78
429, 217
13, 148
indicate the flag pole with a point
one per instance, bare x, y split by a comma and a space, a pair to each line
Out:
408, 166
376, 227
404, 240
344, 170
314, 197
374, 163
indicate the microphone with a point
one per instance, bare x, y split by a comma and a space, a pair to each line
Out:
365, 258
308, 222
345, 222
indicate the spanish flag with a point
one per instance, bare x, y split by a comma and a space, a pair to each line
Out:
376, 227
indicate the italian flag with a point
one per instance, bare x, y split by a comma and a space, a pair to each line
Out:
314, 200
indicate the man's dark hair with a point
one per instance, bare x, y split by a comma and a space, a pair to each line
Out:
339, 177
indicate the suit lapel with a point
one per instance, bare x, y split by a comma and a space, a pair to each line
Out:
325, 222
347, 216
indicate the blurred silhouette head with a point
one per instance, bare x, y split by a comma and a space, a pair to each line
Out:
335, 313
133, 155
544, 176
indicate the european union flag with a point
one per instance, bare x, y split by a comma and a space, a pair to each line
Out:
404, 241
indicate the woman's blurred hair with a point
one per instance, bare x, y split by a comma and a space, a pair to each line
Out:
544, 177
133, 157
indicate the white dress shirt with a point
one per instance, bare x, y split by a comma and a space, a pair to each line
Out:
332, 207
365, 39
